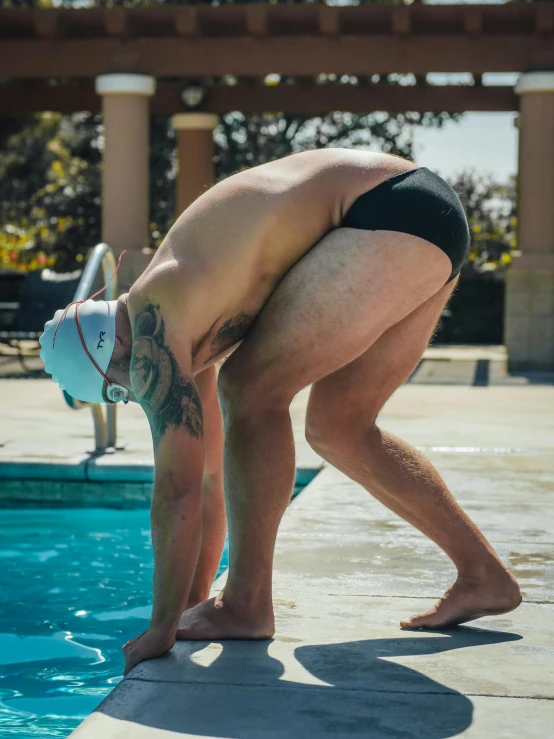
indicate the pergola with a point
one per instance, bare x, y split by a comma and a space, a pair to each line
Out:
130, 62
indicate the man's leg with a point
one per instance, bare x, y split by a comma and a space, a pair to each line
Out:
326, 312
341, 427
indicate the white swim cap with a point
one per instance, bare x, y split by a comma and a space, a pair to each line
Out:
65, 356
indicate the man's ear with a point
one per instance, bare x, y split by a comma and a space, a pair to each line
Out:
123, 330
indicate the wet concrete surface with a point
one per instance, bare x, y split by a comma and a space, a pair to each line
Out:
382, 554
347, 571
37, 426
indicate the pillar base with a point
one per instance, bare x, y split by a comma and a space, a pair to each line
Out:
195, 121
529, 315
125, 84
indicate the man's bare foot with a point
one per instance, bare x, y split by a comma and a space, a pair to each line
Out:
469, 599
217, 619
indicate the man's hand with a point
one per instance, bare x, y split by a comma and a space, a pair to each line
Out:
148, 645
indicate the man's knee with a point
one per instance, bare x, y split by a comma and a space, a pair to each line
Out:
340, 434
243, 388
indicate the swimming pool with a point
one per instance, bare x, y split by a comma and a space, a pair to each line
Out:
75, 584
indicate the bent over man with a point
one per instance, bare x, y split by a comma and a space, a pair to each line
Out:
327, 268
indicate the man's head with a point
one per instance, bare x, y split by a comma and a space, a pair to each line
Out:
87, 350
118, 372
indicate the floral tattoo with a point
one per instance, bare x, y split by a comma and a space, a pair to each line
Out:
169, 399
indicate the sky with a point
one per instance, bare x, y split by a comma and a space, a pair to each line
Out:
485, 142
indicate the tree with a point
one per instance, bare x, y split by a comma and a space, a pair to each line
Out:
475, 313
50, 191
51, 169
246, 140
490, 207
55, 161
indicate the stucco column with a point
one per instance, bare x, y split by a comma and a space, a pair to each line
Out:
125, 106
529, 314
195, 153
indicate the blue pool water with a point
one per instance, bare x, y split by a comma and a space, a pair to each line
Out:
75, 585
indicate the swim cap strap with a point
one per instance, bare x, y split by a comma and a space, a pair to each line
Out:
77, 303
111, 278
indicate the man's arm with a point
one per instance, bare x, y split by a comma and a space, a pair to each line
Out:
214, 524
162, 383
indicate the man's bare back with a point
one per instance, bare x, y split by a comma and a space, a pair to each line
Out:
227, 252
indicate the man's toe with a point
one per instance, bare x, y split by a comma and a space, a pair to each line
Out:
424, 620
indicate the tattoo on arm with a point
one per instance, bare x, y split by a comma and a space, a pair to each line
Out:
169, 399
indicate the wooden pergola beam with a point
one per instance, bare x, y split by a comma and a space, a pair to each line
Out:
240, 20
357, 56
29, 97
287, 39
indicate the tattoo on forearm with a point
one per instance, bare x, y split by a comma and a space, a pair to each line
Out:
169, 399
232, 331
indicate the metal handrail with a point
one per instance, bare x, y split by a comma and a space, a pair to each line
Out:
100, 257
105, 430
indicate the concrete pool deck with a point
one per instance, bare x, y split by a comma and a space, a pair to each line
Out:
37, 429
346, 572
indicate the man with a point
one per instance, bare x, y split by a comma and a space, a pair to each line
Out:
327, 268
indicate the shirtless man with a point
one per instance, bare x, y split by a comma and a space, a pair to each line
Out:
327, 268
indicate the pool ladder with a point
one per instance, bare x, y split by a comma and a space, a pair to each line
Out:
105, 428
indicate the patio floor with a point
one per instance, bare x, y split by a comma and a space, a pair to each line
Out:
346, 571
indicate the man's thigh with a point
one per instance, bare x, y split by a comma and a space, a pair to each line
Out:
356, 393
332, 306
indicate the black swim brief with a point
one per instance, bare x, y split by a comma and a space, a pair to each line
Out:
420, 203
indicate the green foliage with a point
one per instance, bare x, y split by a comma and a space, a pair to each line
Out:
50, 177
50, 165
50, 168
163, 170
248, 140
50, 182
490, 207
